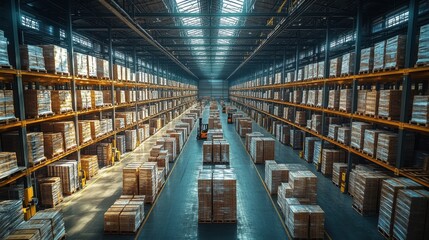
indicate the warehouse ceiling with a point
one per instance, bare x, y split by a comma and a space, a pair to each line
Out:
207, 39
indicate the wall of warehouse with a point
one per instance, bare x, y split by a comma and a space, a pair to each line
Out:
213, 88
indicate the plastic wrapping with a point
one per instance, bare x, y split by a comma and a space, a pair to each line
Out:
321, 69
8, 164
347, 65
379, 54
32, 58
420, 112
304, 97
130, 139
389, 104
53, 144
51, 191
319, 99
338, 169
66, 128
344, 135
67, 171
104, 154
423, 50
367, 191
357, 134
92, 66
81, 64
334, 99
103, 69
61, 101
395, 52
4, 56
367, 60
56, 59
333, 131
89, 165
316, 123
370, 141
296, 139
309, 148
335, 67
361, 104
297, 96
372, 99
345, 103
84, 99
37, 102
312, 97
300, 118
84, 132
290, 77
98, 98
7, 110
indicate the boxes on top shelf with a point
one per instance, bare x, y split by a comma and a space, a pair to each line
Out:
84, 99
379, 55
420, 112
81, 64
7, 110
32, 58
395, 52
56, 59
389, 104
92, 66
103, 69
348, 63
367, 60
423, 50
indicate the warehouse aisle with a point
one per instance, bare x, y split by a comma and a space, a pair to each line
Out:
175, 215
341, 220
84, 210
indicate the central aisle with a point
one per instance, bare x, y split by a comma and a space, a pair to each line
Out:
175, 215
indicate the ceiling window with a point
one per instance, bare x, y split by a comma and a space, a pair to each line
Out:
30, 22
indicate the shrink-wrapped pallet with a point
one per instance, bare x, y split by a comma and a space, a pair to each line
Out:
61, 101
7, 110
302, 185
81, 64
319, 99
84, 99
367, 192
11, 215
423, 50
420, 112
345, 103
107, 97
120, 96
4, 56
249, 137
348, 63
344, 135
316, 123
168, 144
395, 52
366, 60
117, 72
104, 154
125, 215
300, 118
224, 196
358, 133
89, 165
372, 99
103, 69
35, 148
338, 169
275, 174
92, 66
304, 97
37, 103
297, 96
97, 98
329, 157
388, 199
130, 179
36, 152
334, 99
66, 128
56, 59
370, 141
67, 171
335, 67
126, 116
389, 104
309, 148
306, 221
205, 195
84, 132
32, 58
95, 128
8, 164
333, 131
51, 193
411, 214
130, 139
312, 97
296, 139
379, 55
148, 184
56, 218
53, 144
321, 69
361, 102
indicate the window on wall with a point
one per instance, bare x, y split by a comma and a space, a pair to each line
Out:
30, 22
396, 19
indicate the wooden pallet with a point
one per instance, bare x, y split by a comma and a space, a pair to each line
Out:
45, 115
81, 76
8, 121
224, 221
53, 205
71, 148
65, 111
360, 113
204, 221
37, 70
92, 77
39, 161
342, 110
385, 235
65, 74
385, 118
345, 74
368, 154
421, 64
6, 67
104, 78
56, 154
365, 72
419, 124
377, 70
118, 233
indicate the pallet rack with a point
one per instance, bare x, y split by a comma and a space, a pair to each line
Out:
251, 97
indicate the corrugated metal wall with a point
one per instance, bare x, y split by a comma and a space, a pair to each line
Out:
213, 88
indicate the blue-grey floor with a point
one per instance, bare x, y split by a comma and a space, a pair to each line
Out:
175, 215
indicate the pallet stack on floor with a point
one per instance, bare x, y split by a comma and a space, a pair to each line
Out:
125, 215
216, 152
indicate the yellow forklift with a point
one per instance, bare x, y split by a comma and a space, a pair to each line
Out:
202, 130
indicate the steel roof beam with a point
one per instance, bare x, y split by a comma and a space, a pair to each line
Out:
213, 27
217, 15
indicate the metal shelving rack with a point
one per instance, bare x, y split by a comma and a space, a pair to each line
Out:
405, 77
19, 78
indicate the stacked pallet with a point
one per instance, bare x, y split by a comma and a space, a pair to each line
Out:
348, 62
56, 59
387, 143
367, 60
61, 101
126, 116
32, 58
81, 64
214, 134
11, 215
388, 199
344, 135
283, 133
92, 66
185, 126
188, 120
119, 123
84, 131
104, 154
214, 123
317, 153
248, 139
372, 100
423, 50
37, 103
345, 103
56, 219
125, 215
316, 123
130, 139
179, 139
97, 98
103, 69
205, 195
367, 192
306, 221
358, 133
169, 144
120, 144
160, 156
35, 147
84, 99
296, 139
389, 104
335, 67
216, 151
51, 193
379, 55
108, 97
130, 179
420, 112
334, 99
262, 149
8, 163
66, 128
395, 52
89, 164
411, 212
148, 182
309, 148
155, 124
338, 169
244, 127
333, 131
302, 185
329, 157
7, 110
300, 118
361, 103
67, 171
95, 128
276, 173
371, 140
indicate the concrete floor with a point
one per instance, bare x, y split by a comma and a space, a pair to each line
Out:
175, 214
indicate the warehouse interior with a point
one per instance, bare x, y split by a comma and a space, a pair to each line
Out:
214, 119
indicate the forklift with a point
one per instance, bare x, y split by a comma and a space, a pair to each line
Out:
229, 118
202, 130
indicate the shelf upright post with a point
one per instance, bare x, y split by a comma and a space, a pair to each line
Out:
325, 91
70, 51
112, 85
283, 77
296, 78
11, 14
134, 70
410, 59
358, 42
